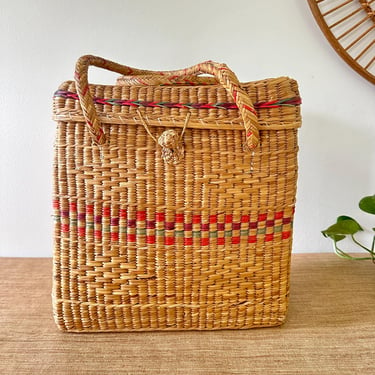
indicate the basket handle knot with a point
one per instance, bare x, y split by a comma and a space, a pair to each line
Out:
172, 146
171, 142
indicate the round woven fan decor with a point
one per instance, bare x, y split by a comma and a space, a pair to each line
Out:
349, 26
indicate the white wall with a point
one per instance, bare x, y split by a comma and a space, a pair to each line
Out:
41, 41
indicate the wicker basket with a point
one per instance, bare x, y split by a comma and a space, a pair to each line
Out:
168, 213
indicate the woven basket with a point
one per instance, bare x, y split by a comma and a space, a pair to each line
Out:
173, 203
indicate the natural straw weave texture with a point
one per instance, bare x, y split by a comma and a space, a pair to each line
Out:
201, 240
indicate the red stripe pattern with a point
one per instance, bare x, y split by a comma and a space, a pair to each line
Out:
141, 103
168, 229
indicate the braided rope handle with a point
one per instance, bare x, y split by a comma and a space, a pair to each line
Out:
220, 71
163, 79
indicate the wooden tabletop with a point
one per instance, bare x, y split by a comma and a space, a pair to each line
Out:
330, 330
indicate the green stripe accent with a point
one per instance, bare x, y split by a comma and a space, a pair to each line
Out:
228, 233
179, 233
196, 234
261, 231
113, 101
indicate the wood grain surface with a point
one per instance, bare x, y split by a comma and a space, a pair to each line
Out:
330, 330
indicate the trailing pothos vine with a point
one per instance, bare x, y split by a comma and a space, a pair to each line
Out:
347, 227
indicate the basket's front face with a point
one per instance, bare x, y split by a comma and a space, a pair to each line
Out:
145, 245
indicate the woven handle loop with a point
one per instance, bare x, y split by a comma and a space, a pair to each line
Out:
220, 71
165, 80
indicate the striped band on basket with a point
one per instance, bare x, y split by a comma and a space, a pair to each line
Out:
141, 103
165, 228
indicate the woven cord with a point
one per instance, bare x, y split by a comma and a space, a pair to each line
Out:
169, 140
224, 75
83, 90
230, 82
145, 125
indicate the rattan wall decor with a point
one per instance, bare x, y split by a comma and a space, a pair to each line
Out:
174, 199
349, 26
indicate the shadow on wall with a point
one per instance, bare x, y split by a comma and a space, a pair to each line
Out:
334, 173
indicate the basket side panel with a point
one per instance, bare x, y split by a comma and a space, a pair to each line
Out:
140, 244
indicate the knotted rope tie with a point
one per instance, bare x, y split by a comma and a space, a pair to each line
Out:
172, 147
171, 142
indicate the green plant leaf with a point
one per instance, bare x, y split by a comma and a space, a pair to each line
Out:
344, 226
335, 237
350, 222
343, 217
367, 204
